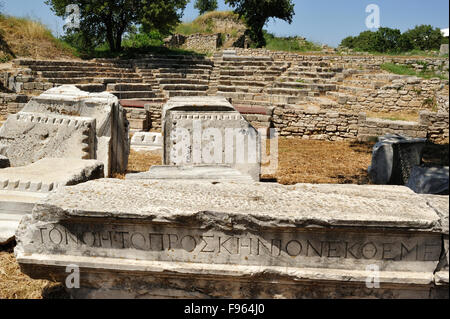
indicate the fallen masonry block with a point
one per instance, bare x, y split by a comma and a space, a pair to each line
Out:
197, 239
209, 131
198, 172
22, 187
73, 106
28, 137
429, 180
146, 141
393, 157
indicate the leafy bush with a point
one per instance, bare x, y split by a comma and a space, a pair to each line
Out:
291, 44
387, 40
143, 40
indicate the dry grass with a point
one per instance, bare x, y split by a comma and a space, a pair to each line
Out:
16, 285
22, 37
322, 162
300, 161
142, 161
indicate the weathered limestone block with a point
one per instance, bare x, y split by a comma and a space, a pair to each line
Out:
208, 130
146, 141
111, 144
234, 240
22, 187
429, 180
213, 173
28, 137
393, 158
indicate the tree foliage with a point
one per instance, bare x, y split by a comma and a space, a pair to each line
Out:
109, 20
424, 37
384, 40
257, 12
204, 6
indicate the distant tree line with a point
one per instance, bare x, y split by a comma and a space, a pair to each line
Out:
387, 40
110, 21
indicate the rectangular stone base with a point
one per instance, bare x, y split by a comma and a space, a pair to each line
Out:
200, 239
107, 278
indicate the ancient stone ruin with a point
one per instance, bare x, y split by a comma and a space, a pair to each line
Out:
62, 137
197, 239
202, 225
204, 135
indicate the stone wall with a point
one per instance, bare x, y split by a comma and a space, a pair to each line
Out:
409, 94
11, 103
351, 61
442, 102
197, 42
319, 125
437, 125
335, 126
154, 114
370, 128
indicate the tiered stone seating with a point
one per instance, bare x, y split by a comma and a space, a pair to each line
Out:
245, 79
177, 75
81, 72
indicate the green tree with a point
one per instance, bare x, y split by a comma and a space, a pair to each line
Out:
348, 42
425, 37
386, 40
204, 6
109, 20
257, 12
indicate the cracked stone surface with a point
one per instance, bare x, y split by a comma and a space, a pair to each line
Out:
162, 238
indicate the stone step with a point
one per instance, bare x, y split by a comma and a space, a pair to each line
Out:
249, 78
174, 66
46, 68
182, 81
354, 89
134, 94
32, 63
246, 58
235, 88
253, 67
325, 75
316, 69
300, 85
242, 83
249, 73
129, 87
173, 59
186, 93
89, 80
140, 102
181, 71
288, 92
306, 80
92, 87
176, 76
75, 74
251, 63
183, 87
321, 64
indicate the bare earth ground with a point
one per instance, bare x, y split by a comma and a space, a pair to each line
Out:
300, 161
